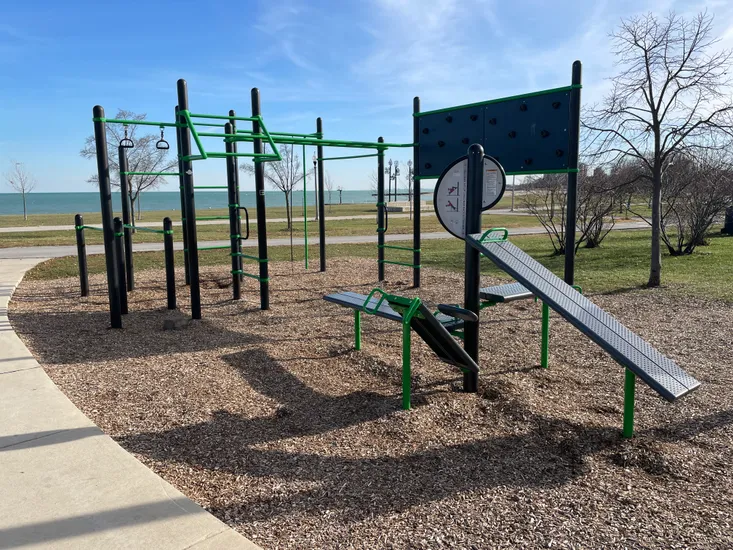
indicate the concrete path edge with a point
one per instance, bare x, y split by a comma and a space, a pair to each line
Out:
64, 483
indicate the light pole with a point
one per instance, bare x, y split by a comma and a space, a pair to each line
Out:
388, 171
409, 185
315, 181
340, 190
396, 173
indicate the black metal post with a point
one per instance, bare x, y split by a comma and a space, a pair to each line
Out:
120, 256
183, 203
261, 213
170, 268
573, 145
321, 201
105, 197
240, 267
381, 216
81, 254
187, 171
474, 199
126, 219
233, 215
416, 194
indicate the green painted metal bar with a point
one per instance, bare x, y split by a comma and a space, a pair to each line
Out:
629, 398
194, 133
222, 117
214, 247
395, 247
256, 156
80, 227
152, 174
351, 157
406, 366
144, 229
545, 352
137, 122
357, 329
305, 208
332, 142
501, 99
397, 263
256, 277
270, 141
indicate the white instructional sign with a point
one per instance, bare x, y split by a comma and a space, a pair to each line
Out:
450, 194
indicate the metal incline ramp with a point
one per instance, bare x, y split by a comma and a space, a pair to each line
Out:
627, 348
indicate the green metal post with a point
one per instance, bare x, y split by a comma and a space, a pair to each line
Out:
357, 330
406, 372
305, 213
545, 354
629, 397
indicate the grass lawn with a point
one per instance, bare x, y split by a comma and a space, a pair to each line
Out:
429, 223
621, 263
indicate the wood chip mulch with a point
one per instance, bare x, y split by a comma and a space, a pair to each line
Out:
271, 420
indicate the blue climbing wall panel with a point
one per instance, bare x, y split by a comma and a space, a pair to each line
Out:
525, 133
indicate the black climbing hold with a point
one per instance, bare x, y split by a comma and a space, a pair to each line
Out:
474, 118
449, 118
512, 134
492, 121
555, 104
527, 161
523, 107
425, 131
559, 152
428, 165
544, 133
441, 144
465, 141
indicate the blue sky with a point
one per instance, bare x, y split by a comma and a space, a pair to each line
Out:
357, 64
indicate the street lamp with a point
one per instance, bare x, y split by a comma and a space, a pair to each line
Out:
388, 171
396, 173
409, 185
315, 181
340, 190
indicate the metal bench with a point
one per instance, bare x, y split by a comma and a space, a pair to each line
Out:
434, 329
632, 352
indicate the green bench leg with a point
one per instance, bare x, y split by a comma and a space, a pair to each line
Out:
406, 373
629, 397
357, 329
545, 352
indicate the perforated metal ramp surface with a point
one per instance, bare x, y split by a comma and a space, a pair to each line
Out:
627, 348
505, 293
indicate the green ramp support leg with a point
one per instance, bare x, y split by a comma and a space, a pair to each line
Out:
629, 395
545, 353
406, 370
357, 330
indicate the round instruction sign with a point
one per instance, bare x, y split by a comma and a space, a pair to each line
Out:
451, 191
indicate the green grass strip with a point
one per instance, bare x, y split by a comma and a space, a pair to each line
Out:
394, 247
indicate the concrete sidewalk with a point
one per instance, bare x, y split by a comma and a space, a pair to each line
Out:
64, 484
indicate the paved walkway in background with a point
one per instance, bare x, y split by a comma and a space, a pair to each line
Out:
60, 251
252, 220
64, 484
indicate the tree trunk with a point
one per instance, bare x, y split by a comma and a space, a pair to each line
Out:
25, 210
655, 270
132, 209
139, 206
287, 209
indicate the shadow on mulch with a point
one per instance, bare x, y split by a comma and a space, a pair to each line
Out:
551, 453
142, 335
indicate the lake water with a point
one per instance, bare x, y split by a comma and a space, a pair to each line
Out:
73, 203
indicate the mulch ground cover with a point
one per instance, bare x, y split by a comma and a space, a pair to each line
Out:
275, 424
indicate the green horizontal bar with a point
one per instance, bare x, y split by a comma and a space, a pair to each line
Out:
260, 279
151, 173
261, 260
394, 247
211, 187
293, 134
146, 229
398, 263
189, 158
214, 134
214, 247
80, 227
250, 155
426, 177
329, 142
223, 117
509, 98
350, 157
138, 122
119, 234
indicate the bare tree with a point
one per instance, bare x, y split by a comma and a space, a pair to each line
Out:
595, 210
328, 183
21, 181
545, 199
284, 175
669, 98
143, 157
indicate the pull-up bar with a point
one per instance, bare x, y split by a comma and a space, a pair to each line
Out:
351, 157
